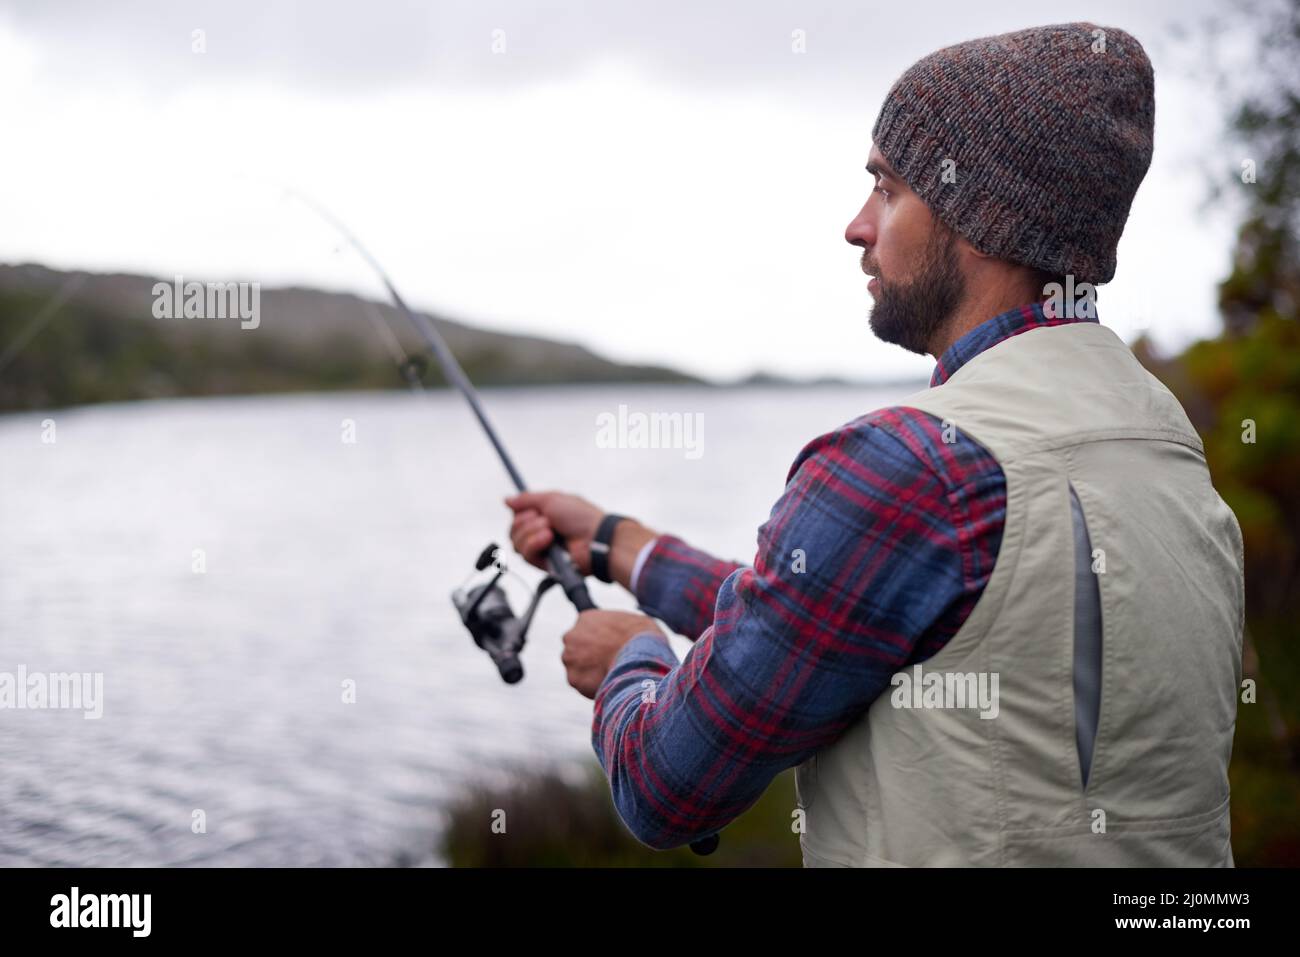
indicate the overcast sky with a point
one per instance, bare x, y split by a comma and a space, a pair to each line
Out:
663, 182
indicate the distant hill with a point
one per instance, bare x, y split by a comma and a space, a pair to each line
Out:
69, 338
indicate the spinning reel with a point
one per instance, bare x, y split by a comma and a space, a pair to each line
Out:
485, 611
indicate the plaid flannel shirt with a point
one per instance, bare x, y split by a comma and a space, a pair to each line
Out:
898, 532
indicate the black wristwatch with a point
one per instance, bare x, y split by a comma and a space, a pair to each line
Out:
600, 544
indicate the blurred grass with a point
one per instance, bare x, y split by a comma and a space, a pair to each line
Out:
554, 821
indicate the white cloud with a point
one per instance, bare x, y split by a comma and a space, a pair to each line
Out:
652, 221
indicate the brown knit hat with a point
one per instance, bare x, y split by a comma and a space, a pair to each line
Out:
1030, 144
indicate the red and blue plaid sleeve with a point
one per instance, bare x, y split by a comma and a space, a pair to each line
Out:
679, 585
869, 561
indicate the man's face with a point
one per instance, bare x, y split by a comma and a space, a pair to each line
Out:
918, 281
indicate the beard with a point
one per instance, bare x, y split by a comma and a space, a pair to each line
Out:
911, 314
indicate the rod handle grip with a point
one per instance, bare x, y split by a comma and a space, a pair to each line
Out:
566, 573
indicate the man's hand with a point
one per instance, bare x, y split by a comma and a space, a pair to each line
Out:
539, 516
591, 645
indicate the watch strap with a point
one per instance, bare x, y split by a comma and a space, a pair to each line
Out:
600, 546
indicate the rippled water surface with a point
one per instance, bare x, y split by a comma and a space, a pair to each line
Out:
323, 562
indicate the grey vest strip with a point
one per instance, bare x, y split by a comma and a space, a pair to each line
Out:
1087, 641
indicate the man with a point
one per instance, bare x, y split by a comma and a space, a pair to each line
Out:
999, 623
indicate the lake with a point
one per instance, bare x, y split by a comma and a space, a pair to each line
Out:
232, 567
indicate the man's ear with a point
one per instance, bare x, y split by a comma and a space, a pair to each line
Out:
968, 255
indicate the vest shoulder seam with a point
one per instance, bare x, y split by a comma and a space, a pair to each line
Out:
1054, 443
927, 462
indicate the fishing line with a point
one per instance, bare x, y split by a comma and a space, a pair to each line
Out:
484, 609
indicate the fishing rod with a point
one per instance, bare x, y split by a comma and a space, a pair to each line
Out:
485, 609
39, 321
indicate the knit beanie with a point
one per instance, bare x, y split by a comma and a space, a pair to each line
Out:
1029, 144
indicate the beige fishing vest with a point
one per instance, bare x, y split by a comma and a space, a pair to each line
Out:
941, 785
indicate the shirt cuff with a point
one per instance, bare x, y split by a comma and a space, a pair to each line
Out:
641, 556
648, 651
